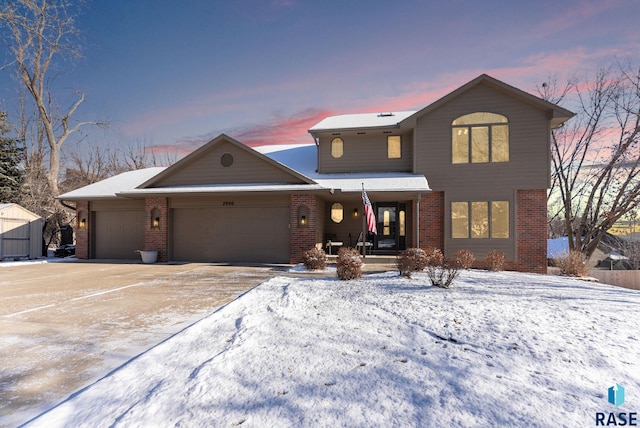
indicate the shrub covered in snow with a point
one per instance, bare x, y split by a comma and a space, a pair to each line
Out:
314, 259
464, 258
573, 264
411, 260
442, 275
348, 264
495, 261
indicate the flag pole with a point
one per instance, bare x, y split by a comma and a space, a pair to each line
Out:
364, 227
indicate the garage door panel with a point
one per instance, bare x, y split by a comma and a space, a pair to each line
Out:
231, 234
119, 234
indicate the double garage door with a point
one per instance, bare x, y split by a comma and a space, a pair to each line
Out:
231, 234
257, 233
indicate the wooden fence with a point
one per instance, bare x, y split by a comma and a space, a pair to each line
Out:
621, 278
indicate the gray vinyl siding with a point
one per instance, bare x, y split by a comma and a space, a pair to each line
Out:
529, 162
207, 169
365, 152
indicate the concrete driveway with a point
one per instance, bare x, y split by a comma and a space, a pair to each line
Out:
65, 325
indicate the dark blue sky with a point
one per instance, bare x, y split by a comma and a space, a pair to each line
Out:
264, 71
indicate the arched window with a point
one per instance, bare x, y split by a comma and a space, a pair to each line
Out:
480, 138
337, 212
337, 147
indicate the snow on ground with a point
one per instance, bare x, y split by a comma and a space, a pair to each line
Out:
497, 349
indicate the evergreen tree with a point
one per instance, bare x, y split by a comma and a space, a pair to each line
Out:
11, 173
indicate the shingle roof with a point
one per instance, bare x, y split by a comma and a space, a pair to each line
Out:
363, 120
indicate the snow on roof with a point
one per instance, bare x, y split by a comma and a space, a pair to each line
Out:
110, 187
3, 206
362, 120
303, 159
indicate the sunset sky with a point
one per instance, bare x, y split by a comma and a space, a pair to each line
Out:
178, 73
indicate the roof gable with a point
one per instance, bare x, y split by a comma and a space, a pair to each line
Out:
557, 114
224, 160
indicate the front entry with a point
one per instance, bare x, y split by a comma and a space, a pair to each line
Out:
391, 224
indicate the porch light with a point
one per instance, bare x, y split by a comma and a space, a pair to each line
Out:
303, 216
355, 213
83, 223
155, 218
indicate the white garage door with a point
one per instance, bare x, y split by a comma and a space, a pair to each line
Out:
247, 234
119, 234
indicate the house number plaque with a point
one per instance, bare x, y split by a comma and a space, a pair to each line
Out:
227, 203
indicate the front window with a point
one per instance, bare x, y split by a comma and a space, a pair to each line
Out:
480, 219
337, 147
480, 138
394, 147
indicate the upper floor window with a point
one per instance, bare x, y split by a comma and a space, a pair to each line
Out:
337, 147
480, 138
394, 147
480, 219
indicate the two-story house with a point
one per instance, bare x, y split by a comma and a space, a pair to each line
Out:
469, 171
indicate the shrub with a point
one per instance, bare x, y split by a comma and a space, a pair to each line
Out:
411, 260
314, 259
464, 258
573, 264
444, 274
434, 256
348, 264
495, 261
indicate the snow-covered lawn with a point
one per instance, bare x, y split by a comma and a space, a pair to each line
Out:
496, 349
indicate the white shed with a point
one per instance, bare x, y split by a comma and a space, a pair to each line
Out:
20, 232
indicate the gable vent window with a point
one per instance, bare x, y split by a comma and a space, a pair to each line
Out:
226, 160
337, 147
480, 137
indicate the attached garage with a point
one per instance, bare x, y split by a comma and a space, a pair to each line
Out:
118, 229
20, 233
238, 230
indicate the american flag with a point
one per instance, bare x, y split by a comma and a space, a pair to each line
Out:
368, 211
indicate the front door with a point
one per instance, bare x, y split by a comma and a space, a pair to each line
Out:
391, 226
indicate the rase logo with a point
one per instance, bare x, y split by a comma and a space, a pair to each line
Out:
615, 396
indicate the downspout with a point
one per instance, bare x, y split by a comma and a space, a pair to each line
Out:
418, 220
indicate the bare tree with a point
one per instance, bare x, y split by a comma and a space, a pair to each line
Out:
37, 33
596, 157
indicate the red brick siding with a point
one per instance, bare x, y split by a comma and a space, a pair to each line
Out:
157, 238
82, 235
431, 226
302, 238
531, 231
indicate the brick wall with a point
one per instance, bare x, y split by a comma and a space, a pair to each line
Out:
82, 235
431, 220
157, 238
302, 238
531, 231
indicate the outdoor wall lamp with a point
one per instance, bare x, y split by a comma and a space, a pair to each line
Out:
355, 213
155, 218
83, 223
303, 216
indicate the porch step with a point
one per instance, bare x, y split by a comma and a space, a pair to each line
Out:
370, 259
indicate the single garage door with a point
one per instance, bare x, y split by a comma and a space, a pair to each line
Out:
118, 234
246, 234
